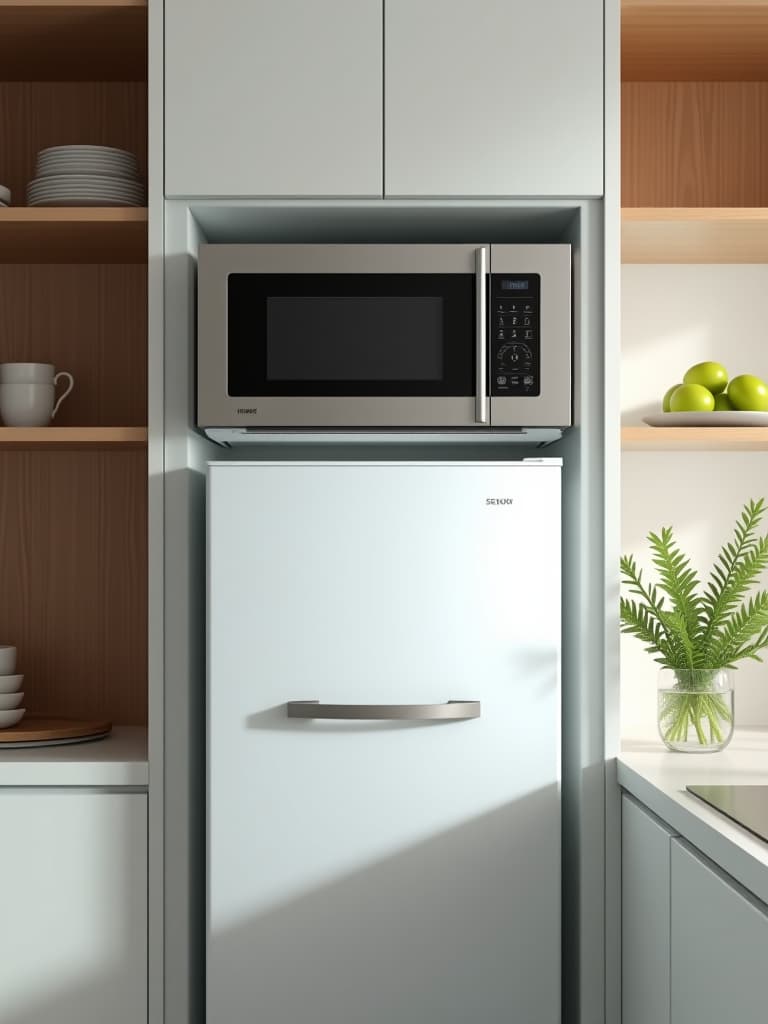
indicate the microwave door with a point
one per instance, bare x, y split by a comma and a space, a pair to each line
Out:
529, 350
344, 336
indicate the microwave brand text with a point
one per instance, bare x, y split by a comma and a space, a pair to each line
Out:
248, 412
499, 501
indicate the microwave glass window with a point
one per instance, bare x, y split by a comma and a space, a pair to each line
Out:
351, 334
354, 338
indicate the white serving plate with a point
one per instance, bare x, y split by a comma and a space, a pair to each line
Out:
100, 170
84, 201
89, 180
90, 161
732, 418
82, 150
11, 684
85, 192
11, 718
9, 701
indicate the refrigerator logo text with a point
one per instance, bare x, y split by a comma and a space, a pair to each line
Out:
499, 501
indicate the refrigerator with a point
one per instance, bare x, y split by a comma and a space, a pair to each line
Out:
383, 734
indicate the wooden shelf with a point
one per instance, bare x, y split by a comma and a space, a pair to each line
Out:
686, 439
694, 235
72, 437
73, 40
694, 40
99, 234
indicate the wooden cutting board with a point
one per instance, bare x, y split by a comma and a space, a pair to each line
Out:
42, 729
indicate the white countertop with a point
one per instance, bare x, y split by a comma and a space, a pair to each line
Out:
120, 759
658, 777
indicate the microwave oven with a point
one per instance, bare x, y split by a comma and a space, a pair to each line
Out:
367, 337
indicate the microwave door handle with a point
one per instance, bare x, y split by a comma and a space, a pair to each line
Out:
481, 336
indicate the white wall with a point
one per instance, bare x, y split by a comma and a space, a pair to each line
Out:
673, 316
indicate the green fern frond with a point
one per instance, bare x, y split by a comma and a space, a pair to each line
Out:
710, 630
679, 582
750, 620
738, 565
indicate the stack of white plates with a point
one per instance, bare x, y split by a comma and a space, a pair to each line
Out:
85, 176
11, 696
5, 196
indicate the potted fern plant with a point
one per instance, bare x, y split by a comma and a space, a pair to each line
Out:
699, 634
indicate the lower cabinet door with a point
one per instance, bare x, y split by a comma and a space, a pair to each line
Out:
645, 916
719, 940
73, 911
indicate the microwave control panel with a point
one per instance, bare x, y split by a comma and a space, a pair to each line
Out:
515, 349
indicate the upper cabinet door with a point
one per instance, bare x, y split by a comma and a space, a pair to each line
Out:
493, 98
273, 98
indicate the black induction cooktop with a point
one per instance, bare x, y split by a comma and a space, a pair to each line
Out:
746, 805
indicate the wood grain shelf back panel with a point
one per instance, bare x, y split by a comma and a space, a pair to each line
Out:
35, 115
77, 41
89, 320
694, 41
73, 546
694, 144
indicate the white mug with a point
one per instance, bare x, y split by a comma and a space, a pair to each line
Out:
27, 393
30, 373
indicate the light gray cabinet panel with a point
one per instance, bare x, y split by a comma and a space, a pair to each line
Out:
645, 900
493, 98
73, 931
719, 946
273, 98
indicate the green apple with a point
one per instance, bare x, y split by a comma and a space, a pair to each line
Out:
723, 403
691, 398
748, 393
712, 376
667, 396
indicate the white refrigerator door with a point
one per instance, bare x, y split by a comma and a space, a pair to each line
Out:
384, 872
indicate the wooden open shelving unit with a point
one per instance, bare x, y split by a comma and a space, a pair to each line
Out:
687, 439
694, 156
73, 292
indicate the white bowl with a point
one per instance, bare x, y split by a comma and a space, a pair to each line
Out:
11, 684
9, 701
7, 660
5, 194
11, 718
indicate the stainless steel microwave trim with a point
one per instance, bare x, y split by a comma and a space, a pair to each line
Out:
553, 406
481, 336
535, 437
454, 710
216, 409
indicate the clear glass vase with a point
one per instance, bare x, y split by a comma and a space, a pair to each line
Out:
695, 708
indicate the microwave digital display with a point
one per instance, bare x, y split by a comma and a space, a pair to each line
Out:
514, 284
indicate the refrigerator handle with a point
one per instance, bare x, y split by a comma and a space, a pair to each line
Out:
481, 336
454, 710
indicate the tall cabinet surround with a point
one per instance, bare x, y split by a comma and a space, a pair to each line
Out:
226, 179
364, 98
